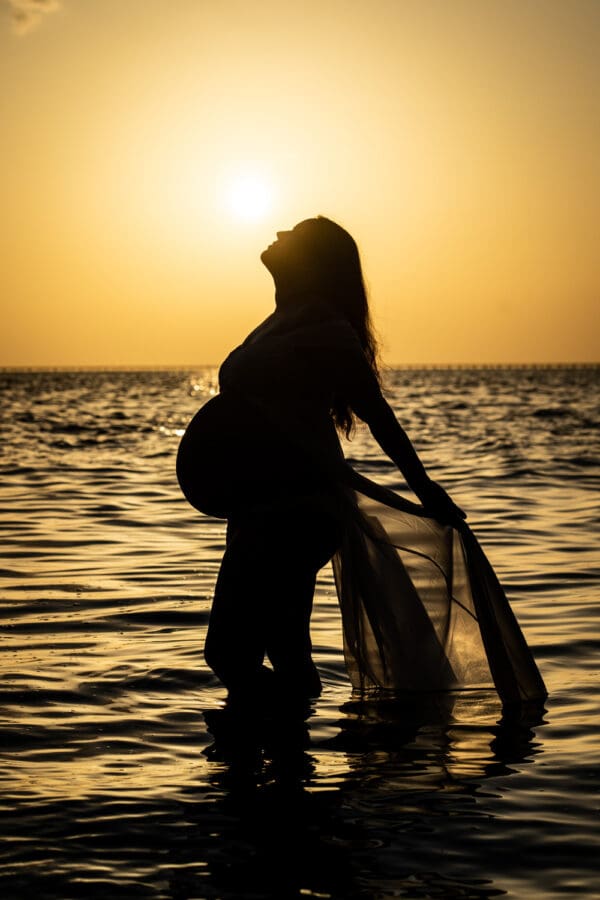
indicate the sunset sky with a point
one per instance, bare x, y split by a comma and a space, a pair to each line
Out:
151, 148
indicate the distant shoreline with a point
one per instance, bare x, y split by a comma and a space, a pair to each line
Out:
190, 367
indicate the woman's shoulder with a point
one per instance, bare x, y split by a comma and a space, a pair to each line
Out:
314, 335
327, 329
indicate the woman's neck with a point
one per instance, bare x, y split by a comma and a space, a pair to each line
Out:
299, 303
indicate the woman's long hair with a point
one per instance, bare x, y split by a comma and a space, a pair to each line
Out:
337, 260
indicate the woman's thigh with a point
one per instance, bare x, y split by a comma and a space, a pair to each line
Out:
269, 567
305, 532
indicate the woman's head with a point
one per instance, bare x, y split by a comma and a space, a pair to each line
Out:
318, 258
316, 255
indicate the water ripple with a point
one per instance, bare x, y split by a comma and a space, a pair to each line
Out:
121, 772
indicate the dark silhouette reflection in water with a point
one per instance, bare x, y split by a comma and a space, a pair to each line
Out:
401, 820
404, 799
280, 836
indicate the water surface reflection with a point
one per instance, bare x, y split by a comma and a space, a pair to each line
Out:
106, 584
399, 818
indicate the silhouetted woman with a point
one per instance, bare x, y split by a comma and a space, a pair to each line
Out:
265, 454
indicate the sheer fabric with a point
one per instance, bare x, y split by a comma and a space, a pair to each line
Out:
422, 609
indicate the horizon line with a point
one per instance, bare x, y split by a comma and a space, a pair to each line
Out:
149, 367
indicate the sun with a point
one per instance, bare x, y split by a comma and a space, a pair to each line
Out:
249, 196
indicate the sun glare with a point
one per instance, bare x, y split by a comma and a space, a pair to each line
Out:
249, 197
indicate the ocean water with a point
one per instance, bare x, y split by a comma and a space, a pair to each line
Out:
121, 775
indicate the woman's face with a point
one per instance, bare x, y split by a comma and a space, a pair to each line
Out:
287, 258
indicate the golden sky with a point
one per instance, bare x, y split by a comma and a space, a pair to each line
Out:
457, 140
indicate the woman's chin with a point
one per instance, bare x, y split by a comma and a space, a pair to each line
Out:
266, 258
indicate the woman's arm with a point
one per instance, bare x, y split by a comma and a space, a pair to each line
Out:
394, 441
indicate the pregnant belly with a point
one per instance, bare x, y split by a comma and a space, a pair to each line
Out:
230, 458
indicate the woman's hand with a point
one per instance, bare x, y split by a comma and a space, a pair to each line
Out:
439, 504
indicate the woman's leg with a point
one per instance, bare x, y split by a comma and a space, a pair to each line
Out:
263, 598
235, 647
310, 538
